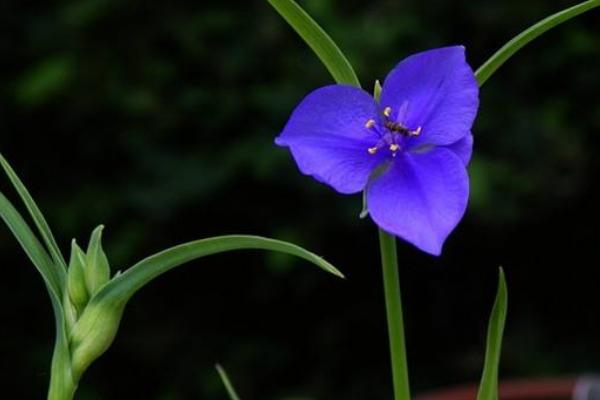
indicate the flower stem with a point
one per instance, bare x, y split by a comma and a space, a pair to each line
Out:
393, 304
61, 389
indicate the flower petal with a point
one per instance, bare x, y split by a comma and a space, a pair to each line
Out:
439, 92
327, 136
421, 198
463, 148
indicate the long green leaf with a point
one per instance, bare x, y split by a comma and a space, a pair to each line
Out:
61, 381
488, 388
227, 383
35, 213
514, 45
319, 41
98, 324
33, 248
122, 287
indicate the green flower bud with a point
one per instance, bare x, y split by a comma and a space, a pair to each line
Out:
97, 271
71, 312
76, 286
93, 334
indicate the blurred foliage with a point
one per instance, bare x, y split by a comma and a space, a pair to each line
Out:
158, 119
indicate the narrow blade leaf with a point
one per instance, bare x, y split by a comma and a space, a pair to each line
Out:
35, 213
227, 383
488, 388
61, 383
318, 40
33, 248
122, 287
514, 45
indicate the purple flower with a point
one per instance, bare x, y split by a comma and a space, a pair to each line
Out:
409, 152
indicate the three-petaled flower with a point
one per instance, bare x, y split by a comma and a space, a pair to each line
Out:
409, 151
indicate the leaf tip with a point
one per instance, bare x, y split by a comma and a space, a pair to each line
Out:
339, 274
501, 278
331, 269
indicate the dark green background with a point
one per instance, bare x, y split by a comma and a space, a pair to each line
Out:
158, 120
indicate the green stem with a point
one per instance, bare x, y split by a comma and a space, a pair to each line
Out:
393, 304
58, 391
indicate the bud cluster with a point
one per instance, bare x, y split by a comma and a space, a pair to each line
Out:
92, 325
88, 272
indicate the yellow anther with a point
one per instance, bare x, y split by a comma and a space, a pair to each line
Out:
370, 123
372, 150
416, 132
394, 147
387, 111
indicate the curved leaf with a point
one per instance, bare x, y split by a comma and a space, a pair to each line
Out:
122, 287
514, 45
36, 214
33, 248
318, 40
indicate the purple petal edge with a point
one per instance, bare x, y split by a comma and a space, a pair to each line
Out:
421, 198
328, 139
440, 90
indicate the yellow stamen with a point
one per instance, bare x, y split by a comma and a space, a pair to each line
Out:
387, 111
416, 132
370, 123
394, 147
372, 150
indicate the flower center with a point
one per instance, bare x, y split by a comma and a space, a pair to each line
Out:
391, 132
